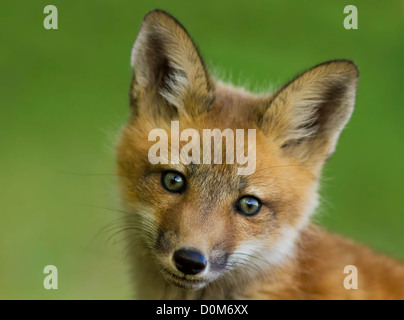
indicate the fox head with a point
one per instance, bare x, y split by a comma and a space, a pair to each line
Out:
199, 224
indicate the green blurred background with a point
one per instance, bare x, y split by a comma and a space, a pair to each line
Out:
64, 97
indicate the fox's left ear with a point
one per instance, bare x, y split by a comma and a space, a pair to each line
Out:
168, 69
307, 115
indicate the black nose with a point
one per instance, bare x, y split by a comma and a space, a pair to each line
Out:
189, 261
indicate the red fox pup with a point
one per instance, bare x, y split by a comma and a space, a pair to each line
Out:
197, 226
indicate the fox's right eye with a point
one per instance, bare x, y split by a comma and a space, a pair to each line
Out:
248, 205
173, 181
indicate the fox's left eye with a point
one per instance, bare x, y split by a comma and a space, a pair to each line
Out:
173, 181
248, 205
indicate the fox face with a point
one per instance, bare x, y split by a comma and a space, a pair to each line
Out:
200, 224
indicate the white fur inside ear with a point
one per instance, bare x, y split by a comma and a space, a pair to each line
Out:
176, 87
304, 116
176, 83
136, 59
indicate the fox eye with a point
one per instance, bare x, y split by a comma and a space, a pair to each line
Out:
248, 205
173, 181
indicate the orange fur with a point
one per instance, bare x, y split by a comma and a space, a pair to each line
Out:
276, 254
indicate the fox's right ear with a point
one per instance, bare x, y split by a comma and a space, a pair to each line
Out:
306, 116
169, 75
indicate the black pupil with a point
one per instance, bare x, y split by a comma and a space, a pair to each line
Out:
174, 180
251, 203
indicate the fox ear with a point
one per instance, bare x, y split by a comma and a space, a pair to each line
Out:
307, 115
168, 69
